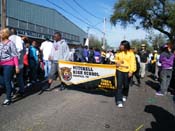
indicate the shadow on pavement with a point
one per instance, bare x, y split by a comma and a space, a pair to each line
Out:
92, 90
153, 85
35, 88
151, 76
164, 121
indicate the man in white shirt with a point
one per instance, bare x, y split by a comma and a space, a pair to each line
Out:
21, 50
46, 48
60, 51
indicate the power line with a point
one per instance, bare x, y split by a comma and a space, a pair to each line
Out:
75, 10
86, 10
74, 15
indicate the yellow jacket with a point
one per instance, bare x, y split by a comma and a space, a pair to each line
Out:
103, 54
126, 60
154, 58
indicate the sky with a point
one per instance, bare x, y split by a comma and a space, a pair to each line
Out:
97, 11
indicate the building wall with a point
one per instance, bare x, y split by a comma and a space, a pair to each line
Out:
42, 20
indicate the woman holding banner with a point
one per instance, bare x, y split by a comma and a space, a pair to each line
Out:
126, 65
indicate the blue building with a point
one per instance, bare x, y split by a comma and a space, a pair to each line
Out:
38, 22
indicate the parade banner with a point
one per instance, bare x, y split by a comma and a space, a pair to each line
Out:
97, 75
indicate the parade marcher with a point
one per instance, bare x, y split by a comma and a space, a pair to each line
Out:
126, 66
8, 60
46, 48
60, 51
144, 60
21, 51
166, 60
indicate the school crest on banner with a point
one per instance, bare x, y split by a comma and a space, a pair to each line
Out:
97, 75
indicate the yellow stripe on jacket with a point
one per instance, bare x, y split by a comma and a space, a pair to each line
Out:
126, 60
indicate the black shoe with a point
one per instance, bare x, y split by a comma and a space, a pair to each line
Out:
46, 88
62, 87
6, 102
18, 95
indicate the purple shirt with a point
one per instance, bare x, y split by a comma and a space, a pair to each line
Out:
85, 53
166, 59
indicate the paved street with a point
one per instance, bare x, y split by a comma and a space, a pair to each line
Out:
77, 109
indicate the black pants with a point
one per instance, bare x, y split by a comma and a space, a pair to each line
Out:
137, 75
122, 85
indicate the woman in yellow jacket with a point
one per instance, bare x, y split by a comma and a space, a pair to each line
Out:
126, 65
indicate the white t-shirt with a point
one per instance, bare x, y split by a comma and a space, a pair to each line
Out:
60, 50
46, 48
20, 48
157, 60
18, 42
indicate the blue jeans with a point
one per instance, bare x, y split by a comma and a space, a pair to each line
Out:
6, 78
20, 81
47, 68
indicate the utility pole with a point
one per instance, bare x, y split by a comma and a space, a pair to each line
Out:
87, 39
104, 34
3, 14
88, 32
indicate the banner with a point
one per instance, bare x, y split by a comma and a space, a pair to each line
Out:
97, 75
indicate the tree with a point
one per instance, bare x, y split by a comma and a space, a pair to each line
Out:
137, 44
94, 42
156, 40
146, 14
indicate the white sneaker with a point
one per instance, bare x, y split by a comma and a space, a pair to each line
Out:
124, 99
159, 94
120, 105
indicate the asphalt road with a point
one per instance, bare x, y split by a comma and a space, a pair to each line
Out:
77, 109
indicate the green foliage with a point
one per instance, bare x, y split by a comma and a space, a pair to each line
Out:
94, 42
156, 40
137, 44
147, 14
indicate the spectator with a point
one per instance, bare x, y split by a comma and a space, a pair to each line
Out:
46, 48
143, 59
8, 60
137, 72
171, 86
166, 60
85, 53
103, 57
79, 53
33, 62
71, 55
21, 51
157, 67
97, 56
91, 55
26, 64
